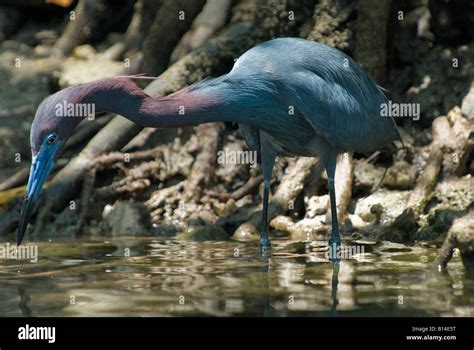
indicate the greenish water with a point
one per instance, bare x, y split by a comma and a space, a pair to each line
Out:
178, 278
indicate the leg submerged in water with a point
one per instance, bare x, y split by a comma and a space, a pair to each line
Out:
268, 160
264, 240
335, 240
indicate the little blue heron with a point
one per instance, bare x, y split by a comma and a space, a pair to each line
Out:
289, 96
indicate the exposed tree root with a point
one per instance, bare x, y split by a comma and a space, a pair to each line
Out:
426, 182
86, 130
142, 19
44, 214
87, 187
320, 225
461, 236
251, 186
136, 179
21, 176
343, 185
79, 27
211, 19
372, 19
204, 167
442, 140
461, 132
165, 195
171, 21
332, 24
17, 179
448, 154
291, 185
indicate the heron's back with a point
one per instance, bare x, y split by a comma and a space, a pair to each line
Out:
336, 97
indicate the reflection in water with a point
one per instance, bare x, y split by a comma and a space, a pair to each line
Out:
23, 304
334, 283
172, 278
266, 295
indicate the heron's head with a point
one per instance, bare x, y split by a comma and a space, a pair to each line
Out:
54, 122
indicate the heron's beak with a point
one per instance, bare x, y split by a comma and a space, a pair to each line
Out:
41, 166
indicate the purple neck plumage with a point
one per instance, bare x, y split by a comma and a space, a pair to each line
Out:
183, 108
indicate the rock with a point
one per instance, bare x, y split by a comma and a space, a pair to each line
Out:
127, 219
377, 210
246, 232
373, 215
402, 228
63, 226
164, 230
357, 222
316, 205
306, 229
467, 106
388, 206
203, 233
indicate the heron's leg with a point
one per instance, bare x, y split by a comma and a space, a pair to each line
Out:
268, 160
335, 240
264, 241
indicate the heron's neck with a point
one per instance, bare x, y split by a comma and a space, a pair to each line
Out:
183, 108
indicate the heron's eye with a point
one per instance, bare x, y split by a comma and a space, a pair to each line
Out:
51, 139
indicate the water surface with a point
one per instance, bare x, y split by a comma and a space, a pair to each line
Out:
226, 278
